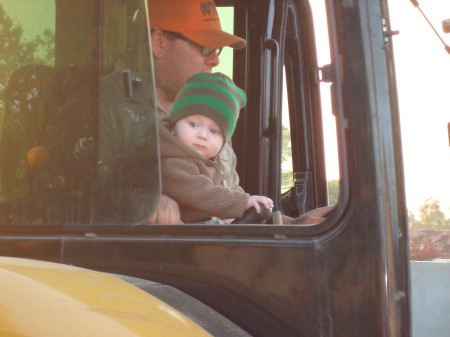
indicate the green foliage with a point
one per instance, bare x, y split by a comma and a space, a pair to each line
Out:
15, 51
412, 219
333, 191
286, 160
286, 180
287, 174
286, 149
431, 216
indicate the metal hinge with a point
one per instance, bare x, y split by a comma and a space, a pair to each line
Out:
325, 74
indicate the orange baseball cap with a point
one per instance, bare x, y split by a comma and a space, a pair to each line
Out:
197, 20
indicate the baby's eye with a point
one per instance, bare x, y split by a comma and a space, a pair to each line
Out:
215, 131
193, 124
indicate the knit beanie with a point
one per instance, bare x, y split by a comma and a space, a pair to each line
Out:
212, 95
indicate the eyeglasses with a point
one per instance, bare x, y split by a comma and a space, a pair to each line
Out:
206, 51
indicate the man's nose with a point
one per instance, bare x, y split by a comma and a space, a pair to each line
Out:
213, 60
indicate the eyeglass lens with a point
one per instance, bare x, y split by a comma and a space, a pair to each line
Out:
206, 51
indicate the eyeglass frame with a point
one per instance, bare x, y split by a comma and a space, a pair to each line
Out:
205, 51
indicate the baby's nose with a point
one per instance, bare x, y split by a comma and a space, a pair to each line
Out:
202, 132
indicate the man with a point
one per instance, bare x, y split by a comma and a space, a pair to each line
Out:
186, 39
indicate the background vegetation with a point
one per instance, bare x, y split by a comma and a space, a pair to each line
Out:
16, 51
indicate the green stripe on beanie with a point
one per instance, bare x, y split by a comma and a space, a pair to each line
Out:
212, 95
206, 102
213, 86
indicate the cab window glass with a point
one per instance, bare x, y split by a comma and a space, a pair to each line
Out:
328, 117
287, 169
307, 123
77, 116
226, 15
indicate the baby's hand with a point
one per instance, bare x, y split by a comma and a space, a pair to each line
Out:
255, 200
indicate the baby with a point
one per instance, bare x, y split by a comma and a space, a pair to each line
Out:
202, 119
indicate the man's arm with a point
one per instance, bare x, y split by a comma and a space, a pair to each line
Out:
312, 217
228, 160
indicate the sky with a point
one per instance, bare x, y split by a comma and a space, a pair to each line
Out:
423, 81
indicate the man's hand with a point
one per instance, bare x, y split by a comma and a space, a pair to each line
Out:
167, 212
314, 216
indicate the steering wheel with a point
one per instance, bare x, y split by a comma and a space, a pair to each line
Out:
251, 217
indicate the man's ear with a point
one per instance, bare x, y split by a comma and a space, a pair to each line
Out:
158, 42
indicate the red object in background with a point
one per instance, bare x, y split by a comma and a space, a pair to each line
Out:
429, 244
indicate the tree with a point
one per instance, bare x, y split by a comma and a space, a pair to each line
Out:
15, 51
286, 160
286, 173
412, 222
333, 191
431, 216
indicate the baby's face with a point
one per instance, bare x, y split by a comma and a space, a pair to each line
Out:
200, 133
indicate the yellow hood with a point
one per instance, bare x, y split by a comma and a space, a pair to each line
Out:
42, 299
